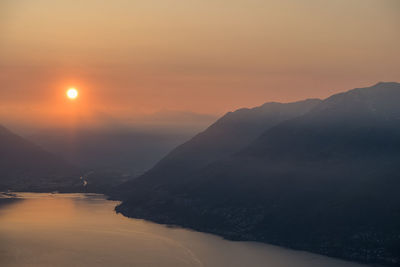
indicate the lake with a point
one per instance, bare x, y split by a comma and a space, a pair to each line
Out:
84, 230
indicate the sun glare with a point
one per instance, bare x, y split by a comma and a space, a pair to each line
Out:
72, 93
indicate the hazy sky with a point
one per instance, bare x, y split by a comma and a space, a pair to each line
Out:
131, 57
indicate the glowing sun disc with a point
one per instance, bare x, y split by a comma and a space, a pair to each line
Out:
72, 93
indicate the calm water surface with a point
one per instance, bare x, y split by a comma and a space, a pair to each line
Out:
84, 230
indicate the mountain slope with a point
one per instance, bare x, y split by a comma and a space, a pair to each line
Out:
350, 122
326, 181
228, 135
25, 166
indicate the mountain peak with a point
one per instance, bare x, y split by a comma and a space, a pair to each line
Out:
380, 84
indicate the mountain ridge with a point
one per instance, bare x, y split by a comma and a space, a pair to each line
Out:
227, 135
325, 181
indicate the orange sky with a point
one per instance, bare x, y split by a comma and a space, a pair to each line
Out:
131, 57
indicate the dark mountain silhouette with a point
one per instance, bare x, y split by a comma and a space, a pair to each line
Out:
25, 166
326, 181
229, 134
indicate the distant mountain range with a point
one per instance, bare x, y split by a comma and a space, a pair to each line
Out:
105, 155
315, 175
130, 151
26, 166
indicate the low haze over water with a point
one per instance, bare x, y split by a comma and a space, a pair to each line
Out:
84, 230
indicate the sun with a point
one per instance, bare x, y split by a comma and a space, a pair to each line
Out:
72, 93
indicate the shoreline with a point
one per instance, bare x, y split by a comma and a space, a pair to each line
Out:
12, 197
247, 238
